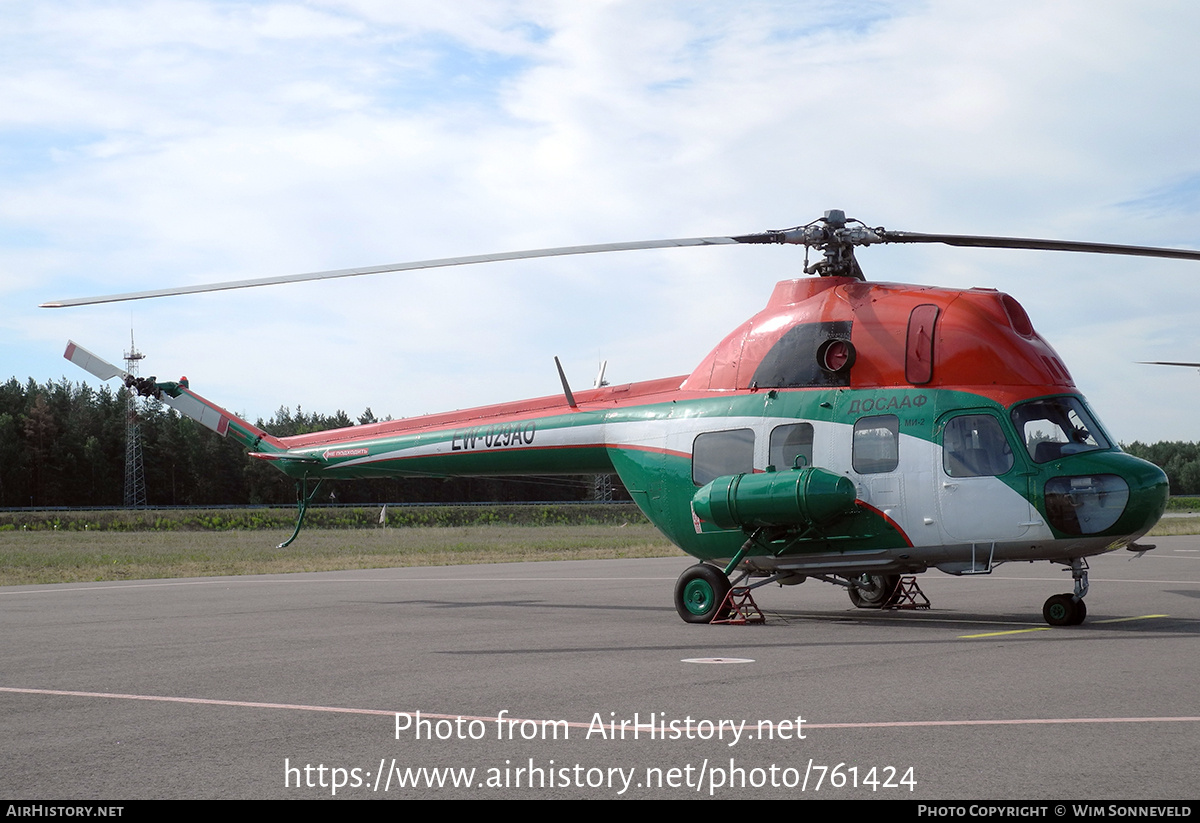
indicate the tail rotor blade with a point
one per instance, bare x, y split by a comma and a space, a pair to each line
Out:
90, 363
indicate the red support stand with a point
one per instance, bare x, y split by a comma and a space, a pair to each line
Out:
908, 595
739, 608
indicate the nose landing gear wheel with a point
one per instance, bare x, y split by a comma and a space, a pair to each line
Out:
874, 591
700, 594
1064, 610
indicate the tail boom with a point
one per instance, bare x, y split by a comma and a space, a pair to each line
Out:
182, 399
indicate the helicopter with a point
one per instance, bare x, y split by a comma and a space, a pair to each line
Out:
852, 432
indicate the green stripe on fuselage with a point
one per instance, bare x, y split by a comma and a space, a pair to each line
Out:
649, 447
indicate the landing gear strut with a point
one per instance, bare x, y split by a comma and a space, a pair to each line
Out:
1069, 609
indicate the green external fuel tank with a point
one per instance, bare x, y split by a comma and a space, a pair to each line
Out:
808, 496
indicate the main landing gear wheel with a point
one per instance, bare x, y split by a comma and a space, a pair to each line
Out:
874, 591
700, 593
1064, 610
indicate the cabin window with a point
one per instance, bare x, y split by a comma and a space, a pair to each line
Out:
789, 442
716, 454
876, 444
1057, 427
973, 445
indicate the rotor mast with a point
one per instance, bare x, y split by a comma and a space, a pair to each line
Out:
829, 234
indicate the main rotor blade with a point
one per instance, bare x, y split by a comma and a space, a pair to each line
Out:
1033, 243
396, 267
834, 237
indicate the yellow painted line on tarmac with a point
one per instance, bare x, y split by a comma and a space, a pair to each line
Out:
1047, 628
999, 634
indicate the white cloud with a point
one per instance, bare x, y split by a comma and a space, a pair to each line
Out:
165, 142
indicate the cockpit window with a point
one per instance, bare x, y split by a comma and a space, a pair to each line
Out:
1057, 427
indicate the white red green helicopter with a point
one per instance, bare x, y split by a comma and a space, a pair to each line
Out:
851, 432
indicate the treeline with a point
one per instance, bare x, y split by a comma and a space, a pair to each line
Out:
63, 444
1181, 462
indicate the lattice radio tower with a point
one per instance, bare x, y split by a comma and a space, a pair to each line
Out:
135, 476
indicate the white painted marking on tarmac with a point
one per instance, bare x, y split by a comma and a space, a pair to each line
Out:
62, 589
243, 580
1029, 721
245, 704
891, 724
1105, 580
158, 698
716, 660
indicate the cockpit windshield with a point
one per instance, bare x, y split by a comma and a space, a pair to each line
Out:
1057, 427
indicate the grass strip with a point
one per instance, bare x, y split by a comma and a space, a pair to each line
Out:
71, 553
41, 556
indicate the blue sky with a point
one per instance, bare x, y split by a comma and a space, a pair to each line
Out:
147, 144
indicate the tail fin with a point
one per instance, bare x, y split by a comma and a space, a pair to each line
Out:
178, 396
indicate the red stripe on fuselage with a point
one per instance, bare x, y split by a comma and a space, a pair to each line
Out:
889, 520
513, 450
597, 400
